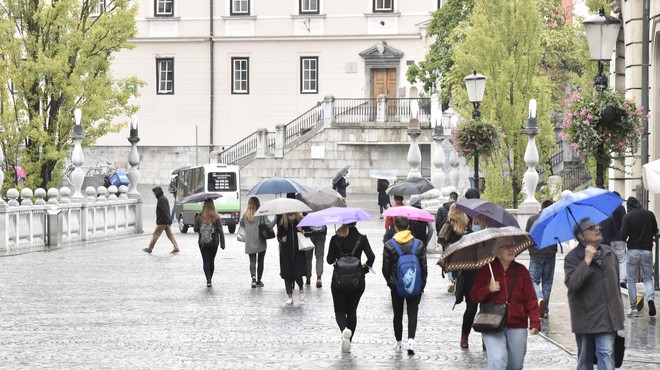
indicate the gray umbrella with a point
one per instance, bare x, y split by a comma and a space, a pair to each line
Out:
318, 199
341, 173
415, 185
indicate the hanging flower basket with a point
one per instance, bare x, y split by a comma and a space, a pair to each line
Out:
475, 136
593, 119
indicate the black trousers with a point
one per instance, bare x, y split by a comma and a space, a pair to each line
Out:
257, 264
346, 304
289, 284
469, 314
412, 308
208, 256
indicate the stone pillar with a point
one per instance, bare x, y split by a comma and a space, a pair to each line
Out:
438, 177
436, 112
134, 160
279, 141
77, 158
328, 111
381, 108
453, 172
262, 134
414, 154
531, 177
2, 174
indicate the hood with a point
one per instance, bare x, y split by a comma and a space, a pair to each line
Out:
158, 191
415, 201
402, 237
633, 203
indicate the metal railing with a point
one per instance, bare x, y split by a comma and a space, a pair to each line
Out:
558, 156
241, 149
398, 110
355, 110
302, 124
575, 177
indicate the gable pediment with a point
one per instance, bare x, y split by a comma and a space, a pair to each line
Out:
381, 51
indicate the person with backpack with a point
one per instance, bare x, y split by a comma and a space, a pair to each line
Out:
458, 224
292, 259
345, 253
255, 247
209, 226
443, 211
405, 271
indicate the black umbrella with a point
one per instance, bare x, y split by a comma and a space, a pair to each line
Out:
341, 173
411, 186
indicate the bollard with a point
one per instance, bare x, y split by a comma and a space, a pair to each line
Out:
54, 231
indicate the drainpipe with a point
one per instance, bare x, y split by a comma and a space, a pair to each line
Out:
645, 87
212, 77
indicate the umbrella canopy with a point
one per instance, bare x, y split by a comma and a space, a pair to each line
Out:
281, 205
276, 185
496, 215
20, 172
322, 198
412, 213
411, 186
200, 197
477, 249
341, 173
387, 175
555, 224
651, 176
335, 216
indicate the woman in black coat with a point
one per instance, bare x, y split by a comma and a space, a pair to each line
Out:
292, 260
348, 241
383, 198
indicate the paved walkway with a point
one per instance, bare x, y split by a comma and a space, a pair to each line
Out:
110, 305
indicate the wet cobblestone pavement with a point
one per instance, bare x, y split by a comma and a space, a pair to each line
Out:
109, 305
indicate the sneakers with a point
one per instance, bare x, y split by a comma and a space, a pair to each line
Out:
411, 345
289, 301
398, 346
254, 282
175, 251
208, 284
260, 284
450, 288
346, 340
623, 285
464, 341
633, 312
319, 283
146, 250
541, 307
651, 307
302, 295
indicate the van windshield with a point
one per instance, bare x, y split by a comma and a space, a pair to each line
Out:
222, 181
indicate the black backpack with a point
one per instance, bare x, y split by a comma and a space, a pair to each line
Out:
348, 270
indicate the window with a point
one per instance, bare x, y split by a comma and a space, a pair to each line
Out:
165, 75
383, 5
97, 9
164, 8
240, 75
309, 75
240, 7
309, 6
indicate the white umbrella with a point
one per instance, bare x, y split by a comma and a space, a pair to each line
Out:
387, 175
651, 176
280, 206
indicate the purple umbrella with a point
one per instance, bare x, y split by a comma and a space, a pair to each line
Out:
335, 216
496, 215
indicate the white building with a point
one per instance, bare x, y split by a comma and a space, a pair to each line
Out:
216, 71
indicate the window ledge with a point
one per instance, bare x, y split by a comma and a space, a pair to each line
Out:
239, 16
382, 14
308, 15
156, 19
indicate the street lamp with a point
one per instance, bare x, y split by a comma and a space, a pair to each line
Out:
475, 85
602, 33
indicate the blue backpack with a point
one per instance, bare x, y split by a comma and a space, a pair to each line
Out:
409, 273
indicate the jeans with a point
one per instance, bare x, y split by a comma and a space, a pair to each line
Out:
638, 257
619, 248
600, 344
159, 230
208, 257
412, 308
318, 251
542, 271
506, 349
257, 259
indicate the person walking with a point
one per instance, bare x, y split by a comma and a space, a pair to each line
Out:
209, 226
292, 259
421, 230
443, 211
506, 349
255, 247
458, 225
317, 234
398, 202
638, 229
348, 241
163, 222
406, 243
591, 274
383, 197
340, 186
618, 245
542, 266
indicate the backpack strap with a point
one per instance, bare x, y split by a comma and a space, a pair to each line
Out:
354, 248
397, 248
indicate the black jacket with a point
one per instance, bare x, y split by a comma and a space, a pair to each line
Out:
390, 258
535, 252
638, 228
441, 216
163, 215
344, 246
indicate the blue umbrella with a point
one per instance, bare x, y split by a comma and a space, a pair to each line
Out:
200, 197
335, 216
556, 223
276, 185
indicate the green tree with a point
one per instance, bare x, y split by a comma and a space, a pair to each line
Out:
55, 57
440, 59
503, 43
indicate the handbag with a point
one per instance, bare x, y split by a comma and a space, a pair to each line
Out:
240, 234
265, 232
304, 243
492, 316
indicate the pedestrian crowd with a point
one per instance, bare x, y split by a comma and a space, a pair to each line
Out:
608, 256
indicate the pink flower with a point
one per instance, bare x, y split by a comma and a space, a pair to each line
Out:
583, 112
641, 130
622, 144
586, 122
589, 116
562, 136
573, 146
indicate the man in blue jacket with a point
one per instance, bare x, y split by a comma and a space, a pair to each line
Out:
163, 221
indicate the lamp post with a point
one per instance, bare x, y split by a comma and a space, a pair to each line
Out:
475, 85
602, 33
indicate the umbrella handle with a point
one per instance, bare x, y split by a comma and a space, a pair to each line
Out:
492, 276
570, 212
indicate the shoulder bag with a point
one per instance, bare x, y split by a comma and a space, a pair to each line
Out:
304, 243
492, 316
265, 231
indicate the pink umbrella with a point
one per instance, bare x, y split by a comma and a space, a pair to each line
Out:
410, 212
19, 172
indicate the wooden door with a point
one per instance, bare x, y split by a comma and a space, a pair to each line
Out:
384, 82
